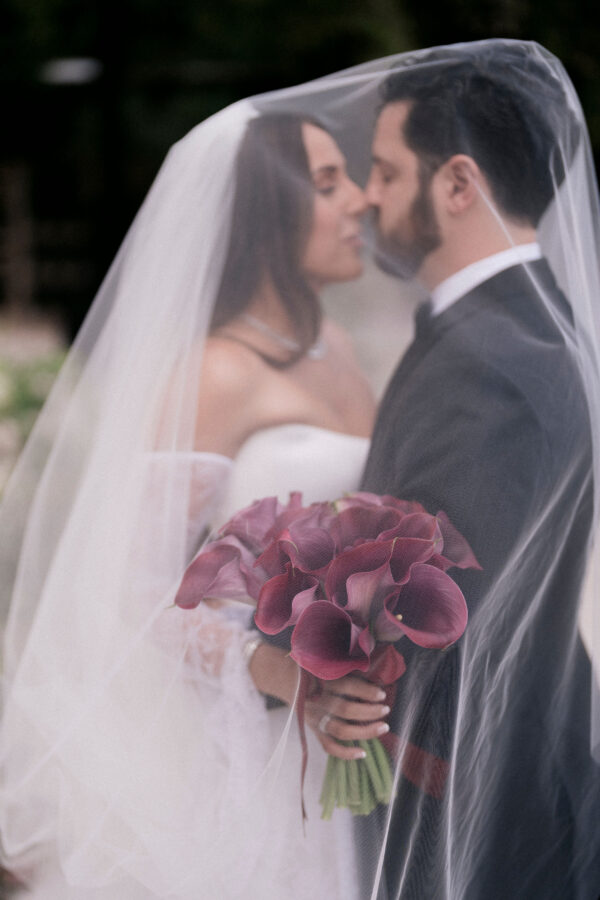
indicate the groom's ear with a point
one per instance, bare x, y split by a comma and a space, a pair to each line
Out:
459, 178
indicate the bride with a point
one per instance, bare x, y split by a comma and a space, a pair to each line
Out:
141, 757
281, 392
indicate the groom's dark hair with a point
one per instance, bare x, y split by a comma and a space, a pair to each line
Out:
500, 103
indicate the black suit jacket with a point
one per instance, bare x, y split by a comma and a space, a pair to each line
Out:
486, 419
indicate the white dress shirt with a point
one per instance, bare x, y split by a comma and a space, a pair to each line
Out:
456, 286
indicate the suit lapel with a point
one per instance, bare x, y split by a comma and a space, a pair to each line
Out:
505, 288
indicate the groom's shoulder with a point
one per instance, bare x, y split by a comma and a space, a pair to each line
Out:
522, 344
513, 325
508, 345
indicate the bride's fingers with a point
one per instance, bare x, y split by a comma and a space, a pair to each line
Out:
320, 723
351, 731
332, 747
347, 709
330, 731
358, 688
351, 709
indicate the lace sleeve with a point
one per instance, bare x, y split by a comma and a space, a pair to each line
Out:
209, 639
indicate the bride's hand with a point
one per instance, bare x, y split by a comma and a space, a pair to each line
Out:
347, 709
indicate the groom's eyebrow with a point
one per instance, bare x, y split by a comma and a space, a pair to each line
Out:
384, 163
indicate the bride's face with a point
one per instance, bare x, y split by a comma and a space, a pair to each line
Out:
333, 248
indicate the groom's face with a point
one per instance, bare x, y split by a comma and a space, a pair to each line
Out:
399, 191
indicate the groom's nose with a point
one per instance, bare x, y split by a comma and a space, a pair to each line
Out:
372, 190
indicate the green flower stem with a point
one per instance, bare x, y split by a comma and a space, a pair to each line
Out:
354, 798
373, 769
342, 784
369, 801
358, 785
328, 794
383, 765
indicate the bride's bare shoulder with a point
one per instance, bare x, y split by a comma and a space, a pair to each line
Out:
230, 367
227, 403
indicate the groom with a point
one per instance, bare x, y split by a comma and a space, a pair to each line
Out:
486, 419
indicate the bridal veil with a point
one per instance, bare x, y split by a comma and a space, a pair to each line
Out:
104, 738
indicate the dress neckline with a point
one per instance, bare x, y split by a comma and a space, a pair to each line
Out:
298, 427
285, 426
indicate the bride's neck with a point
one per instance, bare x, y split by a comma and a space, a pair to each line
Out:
266, 305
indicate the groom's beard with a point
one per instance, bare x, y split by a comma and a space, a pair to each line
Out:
402, 251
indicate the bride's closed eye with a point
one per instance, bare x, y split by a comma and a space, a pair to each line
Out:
326, 180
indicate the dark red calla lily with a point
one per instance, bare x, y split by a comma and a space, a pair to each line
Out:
319, 514
416, 525
253, 524
283, 598
380, 564
429, 609
309, 549
387, 665
367, 558
328, 644
408, 552
223, 569
362, 523
304, 542
366, 593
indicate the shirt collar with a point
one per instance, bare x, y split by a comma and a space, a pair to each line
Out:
456, 286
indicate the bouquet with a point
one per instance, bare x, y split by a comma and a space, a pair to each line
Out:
349, 579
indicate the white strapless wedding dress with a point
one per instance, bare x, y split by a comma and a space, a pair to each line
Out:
176, 781
323, 464
319, 860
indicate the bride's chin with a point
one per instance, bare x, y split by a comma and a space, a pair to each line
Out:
355, 271
350, 272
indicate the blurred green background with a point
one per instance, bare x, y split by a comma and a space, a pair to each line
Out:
95, 91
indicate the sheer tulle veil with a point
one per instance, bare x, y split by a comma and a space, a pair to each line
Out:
104, 736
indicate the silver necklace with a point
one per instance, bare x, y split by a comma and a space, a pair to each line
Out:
317, 351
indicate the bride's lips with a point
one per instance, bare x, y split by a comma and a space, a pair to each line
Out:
354, 240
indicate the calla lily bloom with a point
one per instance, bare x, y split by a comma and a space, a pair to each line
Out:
305, 542
358, 524
327, 642
253, 524
387, 665
283, 598
223, 569
429, 609
381, 564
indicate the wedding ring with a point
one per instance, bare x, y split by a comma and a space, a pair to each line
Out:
323, 723
250, 647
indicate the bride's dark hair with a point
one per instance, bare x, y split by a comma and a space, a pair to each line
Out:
271, 220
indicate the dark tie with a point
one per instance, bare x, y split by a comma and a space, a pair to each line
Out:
423, 318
